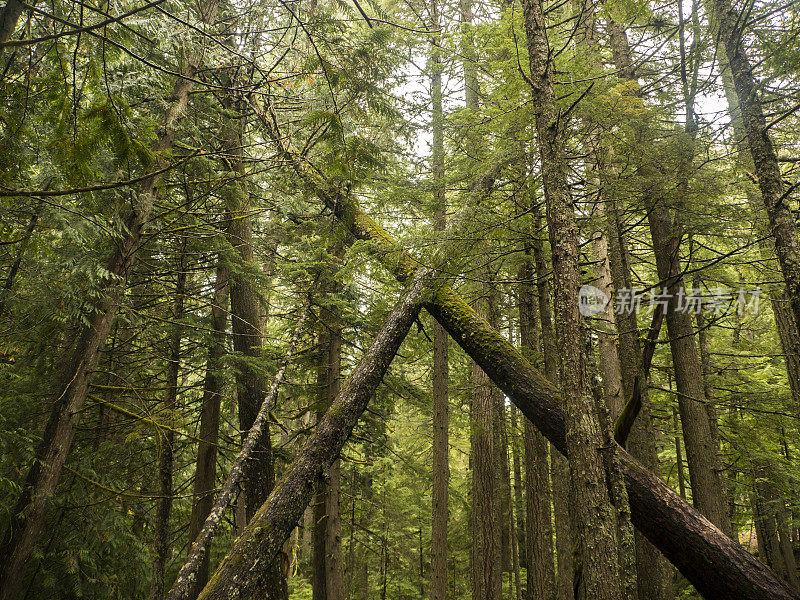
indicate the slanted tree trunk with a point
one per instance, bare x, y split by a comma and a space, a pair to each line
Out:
205, 472
782, 310
593, 514
166, 437
25, 526
782, 226
237, 576
185, 581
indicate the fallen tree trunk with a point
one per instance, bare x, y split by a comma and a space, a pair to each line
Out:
717, 566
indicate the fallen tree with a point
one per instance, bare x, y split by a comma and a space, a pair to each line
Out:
717, 566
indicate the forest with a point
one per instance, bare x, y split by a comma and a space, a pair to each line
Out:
399, 299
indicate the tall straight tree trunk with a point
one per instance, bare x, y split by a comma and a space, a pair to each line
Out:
206, 470
782, 226
247, 339
593, 513
533, 302
25, 526
166, 437
247, 325
327, 579
486, 570
441, 413
707, 490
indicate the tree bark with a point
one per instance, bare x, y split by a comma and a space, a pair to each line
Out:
188, 573
539, 564
9, 17
327, 581
653, 574
205, 472
441, 413
166, 437
486, 567
701, 454
593, 514
782, 226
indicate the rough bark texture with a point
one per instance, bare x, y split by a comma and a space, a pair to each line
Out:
25, 527
259, 474
205, 472
718, 567
237, 576
539, 564
327, 580
701, 454
441, 413
593, 514
166, 441
558, 469
765, 160
486, 567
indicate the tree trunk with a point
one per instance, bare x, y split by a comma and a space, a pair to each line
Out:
188, 573
327, 580
205, 472
782, 226
782, 310
593, 514
259, 474
539, 565
441, 414
486, 568
166, 438
9, 17
707, 491
653, 574
25, 526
